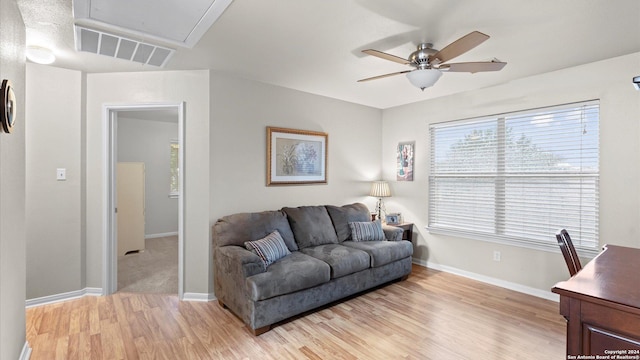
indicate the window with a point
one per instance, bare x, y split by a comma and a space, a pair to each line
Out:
518, 178
174, 169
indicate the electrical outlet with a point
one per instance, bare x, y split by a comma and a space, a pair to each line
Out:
496, 255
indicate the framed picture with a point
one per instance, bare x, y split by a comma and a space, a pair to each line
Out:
404, 159
296, 157
392, 219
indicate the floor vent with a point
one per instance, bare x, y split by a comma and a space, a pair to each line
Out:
102, 43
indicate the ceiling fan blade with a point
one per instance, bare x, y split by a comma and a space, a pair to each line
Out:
459, 46
386, 56
473, 67
385, 75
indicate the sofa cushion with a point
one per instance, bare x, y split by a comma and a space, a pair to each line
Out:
270, 248
311, 226
291, 273
367, 231
343, 215
237, 228
342, 259
383, 252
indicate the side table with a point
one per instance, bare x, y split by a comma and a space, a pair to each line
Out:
407, 233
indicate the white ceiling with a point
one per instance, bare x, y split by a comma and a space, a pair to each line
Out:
315, 45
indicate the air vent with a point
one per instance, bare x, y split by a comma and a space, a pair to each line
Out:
102, 43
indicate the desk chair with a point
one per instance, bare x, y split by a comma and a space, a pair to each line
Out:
568, 251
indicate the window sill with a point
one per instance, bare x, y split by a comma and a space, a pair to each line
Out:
529, 244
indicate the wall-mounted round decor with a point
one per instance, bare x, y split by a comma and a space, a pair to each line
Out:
7, 106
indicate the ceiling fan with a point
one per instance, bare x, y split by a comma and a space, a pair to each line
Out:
429, 63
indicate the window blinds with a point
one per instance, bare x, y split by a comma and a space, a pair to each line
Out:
518, 177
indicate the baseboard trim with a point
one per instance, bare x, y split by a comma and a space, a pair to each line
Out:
198, 297
153, 236
52, 299
490, 280
26, 352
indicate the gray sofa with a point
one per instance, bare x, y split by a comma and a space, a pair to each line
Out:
322, 264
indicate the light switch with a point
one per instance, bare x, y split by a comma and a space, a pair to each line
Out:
61, 174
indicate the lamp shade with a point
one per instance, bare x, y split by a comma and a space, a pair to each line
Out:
424, 78
380, 189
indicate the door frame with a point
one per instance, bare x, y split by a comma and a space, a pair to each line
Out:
110, 243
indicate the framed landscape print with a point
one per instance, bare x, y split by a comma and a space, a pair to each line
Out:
296, 157
405, 161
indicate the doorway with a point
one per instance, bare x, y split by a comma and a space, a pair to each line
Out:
113, 116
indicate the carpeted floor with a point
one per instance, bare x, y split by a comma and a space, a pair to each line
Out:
154, 270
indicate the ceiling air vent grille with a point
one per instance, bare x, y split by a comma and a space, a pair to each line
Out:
102, 43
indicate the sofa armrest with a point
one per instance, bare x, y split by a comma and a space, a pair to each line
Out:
232, 265
392, 233
239, 261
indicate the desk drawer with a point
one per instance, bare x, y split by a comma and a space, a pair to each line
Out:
607, 328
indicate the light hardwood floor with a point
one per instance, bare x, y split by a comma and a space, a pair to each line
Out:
432, 315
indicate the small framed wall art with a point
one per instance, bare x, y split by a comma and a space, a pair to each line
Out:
296, 157
404, 159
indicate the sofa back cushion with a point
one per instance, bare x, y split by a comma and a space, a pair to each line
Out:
343, 215
237, 228
311, 226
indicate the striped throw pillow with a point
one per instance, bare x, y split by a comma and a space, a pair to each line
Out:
270, 248
366, 231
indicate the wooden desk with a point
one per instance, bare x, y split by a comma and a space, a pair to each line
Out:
602, 304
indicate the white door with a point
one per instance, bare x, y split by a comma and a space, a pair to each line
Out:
130, 206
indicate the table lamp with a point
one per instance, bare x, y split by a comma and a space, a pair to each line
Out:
380, 189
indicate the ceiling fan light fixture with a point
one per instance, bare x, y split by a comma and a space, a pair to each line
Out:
424, 78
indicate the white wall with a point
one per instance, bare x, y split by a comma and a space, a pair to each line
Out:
148, 142
192, 87
53, 140
12, 188
241, 110
609, 81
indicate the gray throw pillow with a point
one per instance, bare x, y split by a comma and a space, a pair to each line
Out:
270, 248
367, 231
